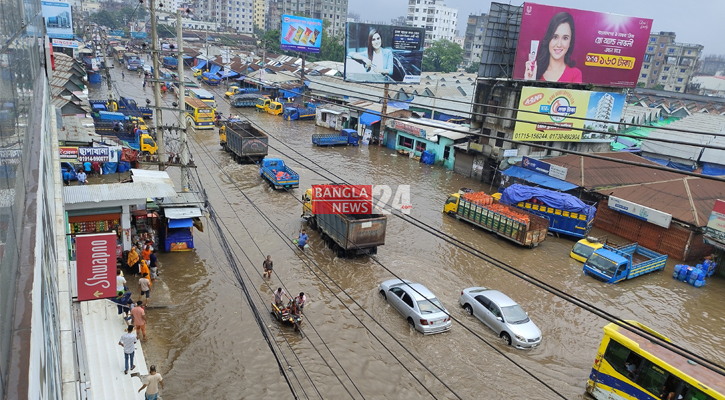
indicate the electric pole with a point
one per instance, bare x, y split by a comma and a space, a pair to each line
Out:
157, 86
182, 106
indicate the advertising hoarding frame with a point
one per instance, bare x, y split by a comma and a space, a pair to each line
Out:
58, 19
400, 53
299, 32
606, 49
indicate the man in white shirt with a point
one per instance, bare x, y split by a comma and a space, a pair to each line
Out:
128, 342
120, 281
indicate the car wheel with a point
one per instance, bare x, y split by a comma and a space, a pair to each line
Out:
468, 309
382, 293
411, 323
506, 338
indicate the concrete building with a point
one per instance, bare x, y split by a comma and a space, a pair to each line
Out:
438, 19
667, 63
260, 14
473, 41
710, 85
604, 111
234, 15
711, 65
332, 11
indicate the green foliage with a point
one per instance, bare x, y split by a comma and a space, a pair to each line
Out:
473, 68
115, 19
442, 56
105, 18
270, 41
640, 84
611, 129
658, 87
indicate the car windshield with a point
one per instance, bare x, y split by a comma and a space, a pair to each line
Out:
427, 308
583, 250
608, 267
515, 314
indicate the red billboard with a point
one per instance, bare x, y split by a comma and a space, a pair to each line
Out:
342, 199
96, 266
565, 45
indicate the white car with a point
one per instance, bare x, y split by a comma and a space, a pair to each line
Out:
419, 307
506, 318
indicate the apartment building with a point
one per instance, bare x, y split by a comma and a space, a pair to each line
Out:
332, 11
234, 15
473, 40
260, 14
605, 106
438, 19
668, 65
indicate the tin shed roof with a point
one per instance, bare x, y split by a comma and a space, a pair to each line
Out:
115, 192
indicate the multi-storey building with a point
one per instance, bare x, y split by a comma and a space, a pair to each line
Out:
332, 11
260, 14
668, 65
605, 106
438, 19
473, 41
234, 15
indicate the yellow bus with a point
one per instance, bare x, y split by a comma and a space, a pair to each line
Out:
199, 114
629, 366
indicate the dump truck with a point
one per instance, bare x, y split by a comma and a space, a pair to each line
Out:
518, 226
243, 141
614, 264
235, 90
124, 105
275, 108
346, 234
244, 100
342, 138
170, 62
278, 174
263, 103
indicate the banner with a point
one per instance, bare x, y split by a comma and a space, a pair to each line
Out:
716, 224
91, 154
71, 44
301, 34
554, 107
96, 266
552, 170
68, 153
640, 212
58, 19
559, 44
383, 53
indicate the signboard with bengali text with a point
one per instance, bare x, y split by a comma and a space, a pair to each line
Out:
552, 170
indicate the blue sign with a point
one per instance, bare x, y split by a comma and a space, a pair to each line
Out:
139, 35
58, 19
301, 34
554, 171
118, 32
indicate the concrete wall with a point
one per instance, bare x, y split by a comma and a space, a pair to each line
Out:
437, 148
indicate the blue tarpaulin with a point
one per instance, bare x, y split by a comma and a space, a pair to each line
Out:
289, 92
517, 193
231, 74
713, 169
214, 68
201, 64
368, 119
399, 104
538, 178
672, 164
110, 167
181, 223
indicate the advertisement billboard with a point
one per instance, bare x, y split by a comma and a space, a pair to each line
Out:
555, 107
96, 266
301, 34
58, 20
639, 211
382, 53
716, 224
559, 44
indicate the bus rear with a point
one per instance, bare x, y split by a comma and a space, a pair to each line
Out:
199, 114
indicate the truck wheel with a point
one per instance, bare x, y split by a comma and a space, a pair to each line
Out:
341, 253
312, 223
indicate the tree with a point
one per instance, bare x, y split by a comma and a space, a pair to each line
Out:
270, 41
442, 56
658, 87
105, 18
640, 84
473, 68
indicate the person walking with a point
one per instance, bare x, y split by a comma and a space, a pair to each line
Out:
123, 76
128, 342
144, 286
268, 267
151, 383
153, 265
146, 253
81, 177
120, 281
302, 240
144, 83
301, 300
133, 259
278, 297
138, 316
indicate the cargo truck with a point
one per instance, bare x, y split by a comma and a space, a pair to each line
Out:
612, 265
346, 234
343, 138
244, 100
278, 174
243, 141
518, 226
170, 62
124, 106
211, 79
299, 113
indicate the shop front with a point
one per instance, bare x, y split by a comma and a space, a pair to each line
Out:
414, 138
100, 220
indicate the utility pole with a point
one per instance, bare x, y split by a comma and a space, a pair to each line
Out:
383, 114
182, 106
157, 86
105, 63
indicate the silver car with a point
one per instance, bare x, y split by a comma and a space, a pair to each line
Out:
418, 309
510, 322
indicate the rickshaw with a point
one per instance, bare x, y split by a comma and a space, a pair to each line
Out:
283, 315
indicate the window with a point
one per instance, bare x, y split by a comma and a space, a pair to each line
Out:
659, 54
652, 378
667, 68
407, 300
499, 142
657, 63
650, 48
689, 51
664, 77
670, 51
682, 70
420, 146
652, 81
484, 301
618, 356
677, 88
646, 66
405, 142
644, 75
662, 45
447, 153
652, 40
679, 79
397, 291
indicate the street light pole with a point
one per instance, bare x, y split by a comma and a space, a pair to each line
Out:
157, 86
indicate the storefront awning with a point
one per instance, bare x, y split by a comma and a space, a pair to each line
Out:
538, 178
368, 119
181, 223
182, 212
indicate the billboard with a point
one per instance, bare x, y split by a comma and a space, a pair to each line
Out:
544, 167
382, 53
71, 44
554, 109
301, 34
96, 266
58, 20
716, 224
559, 44
639, 211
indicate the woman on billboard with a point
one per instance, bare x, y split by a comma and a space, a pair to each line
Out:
553, 62
376, 60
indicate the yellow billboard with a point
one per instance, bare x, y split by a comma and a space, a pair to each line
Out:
554, 108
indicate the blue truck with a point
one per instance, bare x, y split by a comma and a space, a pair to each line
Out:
123, 105
211, 79
170, 62
567, 214
614, 264
343, 138
245, 100
279, 175
299, 113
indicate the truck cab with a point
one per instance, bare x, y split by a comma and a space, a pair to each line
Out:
275, 108
263, 103
232, 91
607, 266
612, 265
451, 206
585, 247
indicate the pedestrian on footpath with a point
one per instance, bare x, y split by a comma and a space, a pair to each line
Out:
81, 177
152, 383
153, 265
128, 342
123, 76
144, 286
139, 320
268, 267
120, 281
133, 259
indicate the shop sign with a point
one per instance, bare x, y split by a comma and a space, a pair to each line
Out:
91, 154
716, 224
640, 212
475, 147
408, 128
72, 44
9, 157
68, 153
552, 170
515, 152
96, 266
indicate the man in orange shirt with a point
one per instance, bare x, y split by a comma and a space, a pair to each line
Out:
139, 319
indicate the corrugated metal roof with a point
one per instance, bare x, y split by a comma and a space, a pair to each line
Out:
181, 199
182, 212
115, 192
706, 123
145, 175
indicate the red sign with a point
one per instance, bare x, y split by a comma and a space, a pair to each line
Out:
559, 44
342, 199
67, 152
96, 266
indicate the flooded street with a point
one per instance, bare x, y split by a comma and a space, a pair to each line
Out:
208, 345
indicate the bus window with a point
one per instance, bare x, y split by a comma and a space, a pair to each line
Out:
691, 393
652, 378
622, 359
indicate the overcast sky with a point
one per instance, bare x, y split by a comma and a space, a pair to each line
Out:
694, 21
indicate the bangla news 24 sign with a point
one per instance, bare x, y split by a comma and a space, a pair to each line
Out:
301, 34
58, 19
640, 212
560, 44
716, 224
382, 53
555, 106
96, 266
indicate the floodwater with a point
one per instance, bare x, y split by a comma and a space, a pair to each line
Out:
208, 345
